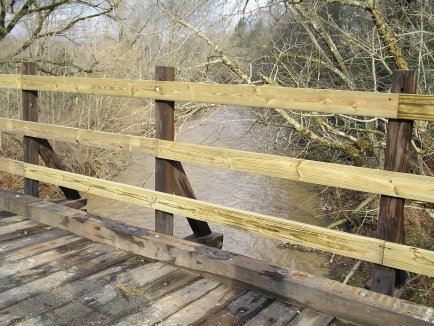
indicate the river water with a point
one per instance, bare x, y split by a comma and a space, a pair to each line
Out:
233, 128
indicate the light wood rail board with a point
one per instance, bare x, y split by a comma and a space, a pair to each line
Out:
329, 101
342, 243
382, 182
385, 105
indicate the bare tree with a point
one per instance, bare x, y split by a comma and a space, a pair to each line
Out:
25, 26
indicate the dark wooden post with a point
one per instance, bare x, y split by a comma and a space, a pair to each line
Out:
182, 187
30, 113
51, 159
390, 225
165, 129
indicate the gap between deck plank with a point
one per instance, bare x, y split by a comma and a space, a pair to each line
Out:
169, 304
62, 295
14, 295
14, 245
239, 311
276, 314
22, 233
198, 311
311, 318
87, 252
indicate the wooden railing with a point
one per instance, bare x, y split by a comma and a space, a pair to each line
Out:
388, 183
385, 105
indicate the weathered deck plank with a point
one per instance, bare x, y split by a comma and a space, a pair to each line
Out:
8, 217
13, 227
276, 314
17, 244
86, 252
56, 278
13, 267
239, 311
14, 295
36, 307
311, 318
169, 304
199, 310
21, 233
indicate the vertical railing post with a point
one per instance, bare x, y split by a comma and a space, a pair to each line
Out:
390, 226
30, 113
165, 129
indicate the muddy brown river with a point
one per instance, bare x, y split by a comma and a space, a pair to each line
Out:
234, 128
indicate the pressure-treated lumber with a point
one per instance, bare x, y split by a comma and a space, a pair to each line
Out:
330, 101
408, 258
338, 242
389, 183
79, 136
416, 107
419, 107
285, 230
330, 297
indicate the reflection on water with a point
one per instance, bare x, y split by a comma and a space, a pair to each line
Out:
229, 128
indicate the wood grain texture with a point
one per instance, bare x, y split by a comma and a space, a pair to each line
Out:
285, 230
80, 136
239, 311
338, 242
164, 129
406, 258
336, 175
52, 160
11, 268
169, 304
46, 301
129, 294
317, 100
23, 233
390, 225
416, 107
196, 312
33, 274
343, 176
15, 295
30, 107
330, 297
10, 247
276, 314
310, 318
18, 205
182, 187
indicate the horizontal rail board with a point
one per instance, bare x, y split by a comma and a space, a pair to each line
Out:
382, 182
284, 230
385, 105
416, 107
342, 243
408, 258
318, 100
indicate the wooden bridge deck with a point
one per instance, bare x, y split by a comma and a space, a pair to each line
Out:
63, 266
49, 276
